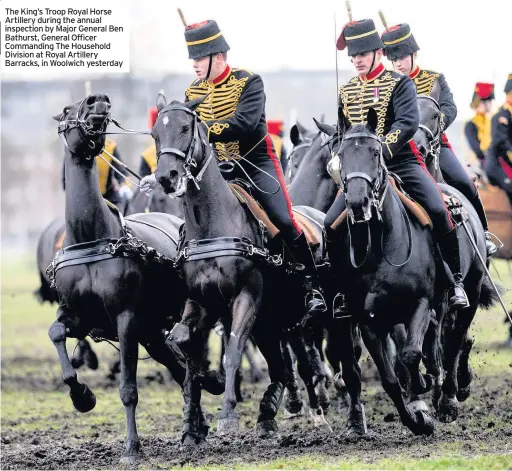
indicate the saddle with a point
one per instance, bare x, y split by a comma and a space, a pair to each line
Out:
312, 230
414, 209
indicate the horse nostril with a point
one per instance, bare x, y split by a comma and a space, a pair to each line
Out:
91, 100
173, 174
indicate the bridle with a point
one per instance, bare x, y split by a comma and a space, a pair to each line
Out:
433, 139
188, 157
378, 185
86, 130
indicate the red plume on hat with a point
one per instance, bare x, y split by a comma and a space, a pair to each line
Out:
152, 115
275, 126
484, 90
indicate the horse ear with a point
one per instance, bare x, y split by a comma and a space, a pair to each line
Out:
325, 128
436, 90
371, 119
193, 104
295, 135
58, 117
343, 122
161, 102
302, 129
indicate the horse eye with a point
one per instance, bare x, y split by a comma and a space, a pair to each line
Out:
185, 129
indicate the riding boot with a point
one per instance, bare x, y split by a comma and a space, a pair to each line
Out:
479, 208
339, 305
315, 302
449, 246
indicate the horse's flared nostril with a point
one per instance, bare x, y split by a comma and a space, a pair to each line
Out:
173, 174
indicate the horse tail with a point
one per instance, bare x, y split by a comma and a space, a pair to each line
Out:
488, 296
44, 292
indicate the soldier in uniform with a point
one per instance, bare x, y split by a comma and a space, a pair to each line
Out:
478, 129
393, 96
234, 113
276, 131
498, 165
401, 49
148, 157
113, 186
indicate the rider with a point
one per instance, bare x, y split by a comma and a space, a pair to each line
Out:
478, 129
113, 186
234, 113
276, 132
393, 96
401, 49
498, 165
148, 157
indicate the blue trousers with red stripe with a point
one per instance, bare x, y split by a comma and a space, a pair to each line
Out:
274, 198
420, 185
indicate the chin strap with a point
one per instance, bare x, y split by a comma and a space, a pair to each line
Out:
209, 68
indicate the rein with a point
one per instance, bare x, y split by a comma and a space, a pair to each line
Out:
379, 186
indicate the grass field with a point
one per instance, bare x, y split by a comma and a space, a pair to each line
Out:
41, 429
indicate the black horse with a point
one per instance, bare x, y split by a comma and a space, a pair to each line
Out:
301, 139
51, 240
228, 272
114, 278
428, 141
393, 274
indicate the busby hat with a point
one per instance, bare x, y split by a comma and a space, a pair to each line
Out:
399, 42
204, 39
359, 37
508, 85
483, 91
275, 126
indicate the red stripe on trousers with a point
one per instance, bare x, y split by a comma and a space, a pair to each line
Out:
280, 177
506, 168
419, 157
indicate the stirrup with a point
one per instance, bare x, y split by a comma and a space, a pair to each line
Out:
315, 301
458, 297
339, 307
490, 246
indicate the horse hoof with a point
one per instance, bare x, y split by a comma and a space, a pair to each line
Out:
293, 406
190, 441
129, 460
84, 400
319, 420
91, 359
266, 428
448, 410
227, 426
180, 334
463, 393
290, 414
425, 424
418, 405
356, 421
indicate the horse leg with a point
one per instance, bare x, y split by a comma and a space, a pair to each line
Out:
244, 315
314, 352
84, 354
412, 352
399, 337
114, 369
351, 372
418, 422
465, 372
433, 356
448, 404
257, 374
333, 355
191, 341
83, 398
293, 405
128, 353
270, 347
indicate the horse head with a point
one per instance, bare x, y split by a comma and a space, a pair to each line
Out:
363, 173
181, 145
302, 140
82, 125
428, 135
